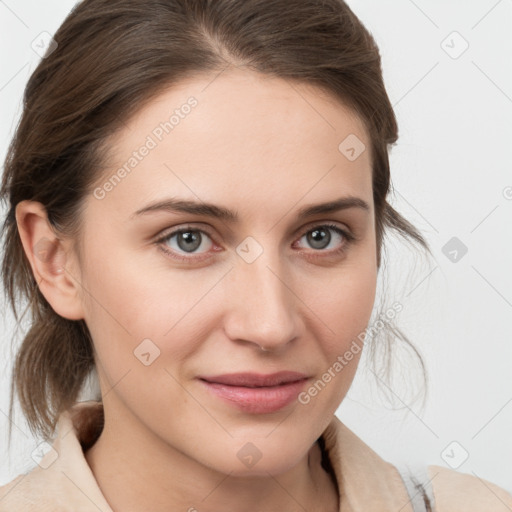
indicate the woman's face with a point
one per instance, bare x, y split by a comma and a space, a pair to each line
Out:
165, 310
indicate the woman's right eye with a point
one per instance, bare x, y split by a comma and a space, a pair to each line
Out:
187, 240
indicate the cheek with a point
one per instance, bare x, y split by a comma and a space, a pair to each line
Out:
343, 301
343, 311
129, 301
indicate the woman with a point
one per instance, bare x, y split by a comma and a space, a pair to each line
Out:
150, 126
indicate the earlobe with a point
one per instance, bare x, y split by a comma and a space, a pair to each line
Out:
47, 255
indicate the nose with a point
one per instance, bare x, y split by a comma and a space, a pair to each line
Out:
262, 305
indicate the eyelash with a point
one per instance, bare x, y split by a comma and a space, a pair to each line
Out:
349, 239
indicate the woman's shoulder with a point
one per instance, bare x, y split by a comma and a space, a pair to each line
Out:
7, 490
61, 481
366, 478
30, 492
454, 490
58, 488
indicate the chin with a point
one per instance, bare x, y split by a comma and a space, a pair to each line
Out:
257, 458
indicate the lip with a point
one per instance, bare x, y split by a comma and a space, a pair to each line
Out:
253, 380
256, 393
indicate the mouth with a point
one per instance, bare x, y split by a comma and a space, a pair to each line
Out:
256, 393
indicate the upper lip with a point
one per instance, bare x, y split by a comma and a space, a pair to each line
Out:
255, 379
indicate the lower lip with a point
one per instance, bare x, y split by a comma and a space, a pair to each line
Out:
257, 400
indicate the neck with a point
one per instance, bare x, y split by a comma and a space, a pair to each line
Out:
137, 471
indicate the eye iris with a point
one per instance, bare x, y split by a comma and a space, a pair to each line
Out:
189, 240
319, 235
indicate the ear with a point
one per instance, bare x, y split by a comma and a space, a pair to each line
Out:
53, 270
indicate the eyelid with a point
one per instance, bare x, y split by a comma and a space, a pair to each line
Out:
201, 226
167, 232
318, 223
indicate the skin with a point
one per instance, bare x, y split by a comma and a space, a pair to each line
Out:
263, 147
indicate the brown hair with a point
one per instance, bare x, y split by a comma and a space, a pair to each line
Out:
112, 57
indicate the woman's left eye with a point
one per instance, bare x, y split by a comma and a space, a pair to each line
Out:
320, 237
189, 240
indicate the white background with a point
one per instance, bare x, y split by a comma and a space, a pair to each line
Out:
452, 177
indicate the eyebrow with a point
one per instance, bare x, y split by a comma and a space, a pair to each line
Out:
224, 214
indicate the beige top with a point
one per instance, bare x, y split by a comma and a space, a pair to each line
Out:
64, 482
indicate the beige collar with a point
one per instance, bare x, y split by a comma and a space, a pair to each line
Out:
365, 481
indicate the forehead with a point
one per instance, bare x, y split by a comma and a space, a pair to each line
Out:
236, 136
